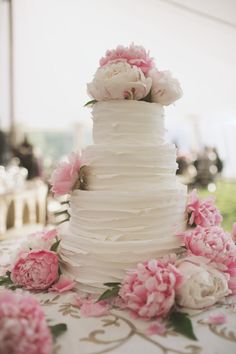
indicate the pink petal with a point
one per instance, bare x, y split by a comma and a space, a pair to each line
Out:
77, 301
218, 318
49, 235
156, 328
63, 284
91, 309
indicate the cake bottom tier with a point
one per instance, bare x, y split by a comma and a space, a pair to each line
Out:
93, 258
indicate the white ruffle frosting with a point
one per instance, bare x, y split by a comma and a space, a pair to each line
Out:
134, 205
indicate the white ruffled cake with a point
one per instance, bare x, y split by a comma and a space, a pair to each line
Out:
133, 206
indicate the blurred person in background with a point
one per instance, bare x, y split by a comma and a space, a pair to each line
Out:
5, 149
25, 153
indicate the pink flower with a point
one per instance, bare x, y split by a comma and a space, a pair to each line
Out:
36, 270
234, 232
165, 89
63, 284
89, 308
23, 328
216, 319
158, 328
232, 274
202, 213
210, 242
66, 174
133, 55
149, 291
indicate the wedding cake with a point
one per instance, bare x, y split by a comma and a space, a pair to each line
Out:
132, 205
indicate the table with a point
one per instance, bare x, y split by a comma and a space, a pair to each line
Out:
21, 207
118, 333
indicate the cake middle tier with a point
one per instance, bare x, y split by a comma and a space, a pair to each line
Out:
130, 167
144, 214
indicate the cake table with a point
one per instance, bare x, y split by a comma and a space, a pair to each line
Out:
119, 333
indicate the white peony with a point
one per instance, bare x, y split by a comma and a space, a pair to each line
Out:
165, 89
202, 286
118, 81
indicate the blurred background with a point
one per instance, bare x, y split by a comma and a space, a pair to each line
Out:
49, 50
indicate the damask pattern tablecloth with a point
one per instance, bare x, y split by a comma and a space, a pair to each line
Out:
118, 333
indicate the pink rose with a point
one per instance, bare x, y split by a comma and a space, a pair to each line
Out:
65, 176
165, 89
232, 280
63, 284
133, 55
149, 291
23, 327
210, 242
36, 270
202, 213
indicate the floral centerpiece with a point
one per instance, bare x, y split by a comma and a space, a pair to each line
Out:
129, 73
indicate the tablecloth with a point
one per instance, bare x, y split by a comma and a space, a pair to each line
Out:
119, 333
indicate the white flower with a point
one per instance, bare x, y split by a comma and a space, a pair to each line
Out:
165, 89
202, 286
117, 81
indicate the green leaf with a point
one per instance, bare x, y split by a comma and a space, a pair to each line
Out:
181, 323
55, 246
109, 293
89, 103
111, 285
6, 279
58, 329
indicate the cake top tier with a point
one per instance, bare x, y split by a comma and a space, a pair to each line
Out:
128, 122
129, 73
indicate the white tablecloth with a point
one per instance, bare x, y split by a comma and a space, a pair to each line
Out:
118, 333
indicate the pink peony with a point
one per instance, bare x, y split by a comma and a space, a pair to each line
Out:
133, 55
202, 213
234, 232
36, 270
64, 178
232, 280
165, 89
149, 291
210, 242
23, 328
63, 284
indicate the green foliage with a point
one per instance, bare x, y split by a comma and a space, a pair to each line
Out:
181, 323
90, 103
58, 329
110, 293
55, 246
